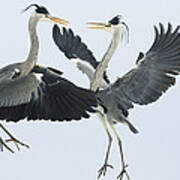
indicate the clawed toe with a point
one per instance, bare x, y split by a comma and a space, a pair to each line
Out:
3, 144
103, 170
17, 143
123, 171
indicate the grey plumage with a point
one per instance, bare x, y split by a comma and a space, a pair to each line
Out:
50, 97
85, 62
36, 92
32, 91
154, 73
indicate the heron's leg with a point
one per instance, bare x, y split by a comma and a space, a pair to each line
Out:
12, 139
1, 144
124, 166
103, 169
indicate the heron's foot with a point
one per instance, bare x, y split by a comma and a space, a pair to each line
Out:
17, 143
3, 144
123, 172
11, 139
103, 170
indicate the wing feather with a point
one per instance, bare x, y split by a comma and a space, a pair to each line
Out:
156, 71
51, 98
73, 48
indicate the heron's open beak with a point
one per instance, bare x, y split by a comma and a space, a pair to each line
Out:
96, 25
58, 20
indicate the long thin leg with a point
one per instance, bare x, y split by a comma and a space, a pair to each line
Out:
12, 139
124, 166
103, 169
1, 144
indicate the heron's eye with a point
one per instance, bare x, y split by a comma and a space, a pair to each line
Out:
108, 25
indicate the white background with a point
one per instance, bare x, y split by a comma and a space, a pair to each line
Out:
75, 150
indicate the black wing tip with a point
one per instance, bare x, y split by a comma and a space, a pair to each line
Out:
73, 46
56, 29
161, 28
55, 26
156, 29
140, 57
163, 38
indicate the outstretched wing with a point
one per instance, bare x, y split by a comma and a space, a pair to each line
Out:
44, 94
155, 71
73, 48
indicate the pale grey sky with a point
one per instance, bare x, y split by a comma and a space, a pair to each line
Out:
76, 150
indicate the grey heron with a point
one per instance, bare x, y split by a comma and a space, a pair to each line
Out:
35, 92
153, 74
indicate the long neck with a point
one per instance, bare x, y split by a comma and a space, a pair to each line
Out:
34, 47
98, 76
111, 49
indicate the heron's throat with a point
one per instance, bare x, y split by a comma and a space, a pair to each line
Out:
34, 46
97, 79
112, 47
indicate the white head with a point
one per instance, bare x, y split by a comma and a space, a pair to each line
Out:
42, 14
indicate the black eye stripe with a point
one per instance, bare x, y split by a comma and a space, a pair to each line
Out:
42, 10
115, 20
38, 9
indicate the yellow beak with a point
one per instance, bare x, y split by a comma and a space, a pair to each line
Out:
96, 25
58, 20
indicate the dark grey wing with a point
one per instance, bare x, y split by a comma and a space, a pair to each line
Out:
44, 94
155, 72
73, 48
